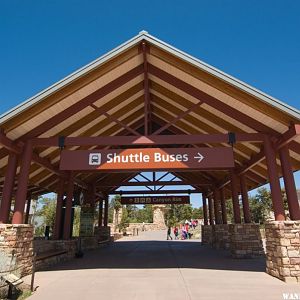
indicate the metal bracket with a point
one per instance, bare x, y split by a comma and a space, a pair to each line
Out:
61, 142
231, 138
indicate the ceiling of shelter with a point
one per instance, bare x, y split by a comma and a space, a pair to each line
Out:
108, 99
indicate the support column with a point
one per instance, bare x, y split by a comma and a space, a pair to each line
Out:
223, 206
105, 220
68, 210
245, 200
22, 184
210, 211
204, 209
289, 183
100, 219
207, 230
235, 198
283, 250
27, 209
274, 180
216, 207
59, 206
8, 187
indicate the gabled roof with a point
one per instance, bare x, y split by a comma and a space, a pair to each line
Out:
112, 87
144, 35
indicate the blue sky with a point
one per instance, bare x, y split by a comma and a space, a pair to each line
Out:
255, 41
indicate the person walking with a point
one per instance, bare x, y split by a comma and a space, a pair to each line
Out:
176, 233
169, 233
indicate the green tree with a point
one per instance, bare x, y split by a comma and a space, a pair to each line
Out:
124, 221
114, 204
47, 211
178, 213
197, 213
260, 205
145, 214
229, 210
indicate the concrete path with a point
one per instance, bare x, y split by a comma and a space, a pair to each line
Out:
149, 267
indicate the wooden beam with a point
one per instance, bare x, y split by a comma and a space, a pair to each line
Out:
154, 192
151, 183
148, 140
83, 103
146, 89
211, 101
179, 117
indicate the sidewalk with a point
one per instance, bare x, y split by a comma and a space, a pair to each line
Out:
149, 267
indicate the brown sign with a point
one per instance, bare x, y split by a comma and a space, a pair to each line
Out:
156, 200
148, 159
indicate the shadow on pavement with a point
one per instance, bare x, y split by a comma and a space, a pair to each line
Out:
159, 255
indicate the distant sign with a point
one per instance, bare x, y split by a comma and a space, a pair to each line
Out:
156, 200
148, 159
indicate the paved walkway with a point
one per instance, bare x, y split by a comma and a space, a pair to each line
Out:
148, 267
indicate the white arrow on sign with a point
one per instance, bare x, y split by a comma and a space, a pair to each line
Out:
200, 157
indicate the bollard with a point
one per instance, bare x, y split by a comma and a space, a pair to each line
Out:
33, 273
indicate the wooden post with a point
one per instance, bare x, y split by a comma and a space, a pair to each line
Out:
245, 200
235, 198
68, 210
105, 220
100, 219
289, 183
28, 208
216, 207
22, 184
210, 210
8, 186
59, 206
274, 180
204, 209
223, 206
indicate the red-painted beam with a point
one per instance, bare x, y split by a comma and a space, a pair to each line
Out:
139, 192
148, 140
288, 136
211, 101
152, 183
285, 139
146, 88
41, 161
179, 117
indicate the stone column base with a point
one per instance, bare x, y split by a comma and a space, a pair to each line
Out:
207, 234
221, 236
104, 233
16, 248
245, 240
283, 250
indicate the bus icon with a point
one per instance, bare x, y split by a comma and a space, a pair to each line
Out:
94, 159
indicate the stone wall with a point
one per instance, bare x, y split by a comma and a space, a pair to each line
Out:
70, 246
245, 240
103, 232
206, 234
17, 247
283, 250
221, 238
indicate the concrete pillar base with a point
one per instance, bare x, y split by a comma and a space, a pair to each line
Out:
221, 236
16, 248
283, 250
206, 234
245, 240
